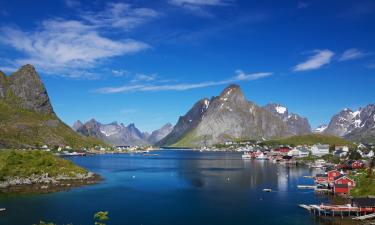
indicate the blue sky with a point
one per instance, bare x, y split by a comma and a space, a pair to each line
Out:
148, 62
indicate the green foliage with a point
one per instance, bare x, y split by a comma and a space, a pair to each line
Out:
26, 163
310, 139
20, 128
365, 183
354, 155
100, 218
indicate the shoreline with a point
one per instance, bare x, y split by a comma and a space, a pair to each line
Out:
44, 184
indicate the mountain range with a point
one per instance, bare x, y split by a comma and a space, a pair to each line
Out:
230, 116
356, 125
120, 135
27, 118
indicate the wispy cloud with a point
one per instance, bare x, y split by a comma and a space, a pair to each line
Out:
199, 7
70, 47
240, 76
144, 77
351, 54
317, 60
72, 3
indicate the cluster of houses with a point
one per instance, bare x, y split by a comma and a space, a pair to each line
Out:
335, 181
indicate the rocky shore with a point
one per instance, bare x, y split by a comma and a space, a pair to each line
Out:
45, 184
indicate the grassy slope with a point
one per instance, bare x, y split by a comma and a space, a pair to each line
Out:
365, 184
310, 139
25, 163
19, 127
187, 140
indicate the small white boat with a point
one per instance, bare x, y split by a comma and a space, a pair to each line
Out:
2, 209
267, 190
261, 157
246, 155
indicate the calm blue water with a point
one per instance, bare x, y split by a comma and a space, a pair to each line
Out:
176, 187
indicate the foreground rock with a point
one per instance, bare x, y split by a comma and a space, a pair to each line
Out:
45, 184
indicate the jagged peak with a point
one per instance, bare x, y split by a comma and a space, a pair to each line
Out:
230, 90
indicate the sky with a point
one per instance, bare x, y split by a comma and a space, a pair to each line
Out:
148, 62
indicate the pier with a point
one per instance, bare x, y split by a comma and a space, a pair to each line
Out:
365, 217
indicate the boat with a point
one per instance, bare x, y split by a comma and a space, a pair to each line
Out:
262, 157
320, 163
246, 155
2, 209
267, 190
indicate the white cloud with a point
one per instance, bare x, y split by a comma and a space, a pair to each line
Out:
320, 58
241, 76
120, 15
72, 47
198, 6
144, 77
351, 54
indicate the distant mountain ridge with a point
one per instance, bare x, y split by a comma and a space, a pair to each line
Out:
354, 125
230, 116
27, 118
297, 125
118, 134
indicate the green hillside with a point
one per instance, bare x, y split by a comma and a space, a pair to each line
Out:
21, 128
310, 139
24, 164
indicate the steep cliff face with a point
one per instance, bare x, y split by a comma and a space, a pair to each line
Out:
297, 125
27, 118
356, 126
27, 87
226, 117
161, 133
186, 123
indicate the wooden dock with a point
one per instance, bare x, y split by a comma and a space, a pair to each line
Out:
306, 186
365, 217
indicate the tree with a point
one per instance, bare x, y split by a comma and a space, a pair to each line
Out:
100, 218
354, 155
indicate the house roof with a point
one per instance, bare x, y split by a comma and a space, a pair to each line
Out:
341, 186
342, 176
363, 202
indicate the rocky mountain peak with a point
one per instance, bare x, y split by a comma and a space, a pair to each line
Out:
297, 125
78, 124
28, 89
232, 93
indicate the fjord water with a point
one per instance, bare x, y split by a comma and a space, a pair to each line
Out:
175, 187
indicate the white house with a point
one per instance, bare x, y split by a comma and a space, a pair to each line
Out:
342, 147
299, 152
320, 150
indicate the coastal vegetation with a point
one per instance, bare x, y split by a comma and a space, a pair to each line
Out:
309, 139
365, 183
17, 163
22, 128
100, 218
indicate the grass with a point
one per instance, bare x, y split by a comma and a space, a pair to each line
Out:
17, 163
22, 128
310, 139
365, 184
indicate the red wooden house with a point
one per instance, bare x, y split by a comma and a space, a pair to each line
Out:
343, 185
332, 174
321, 178
282, 150
357, 165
